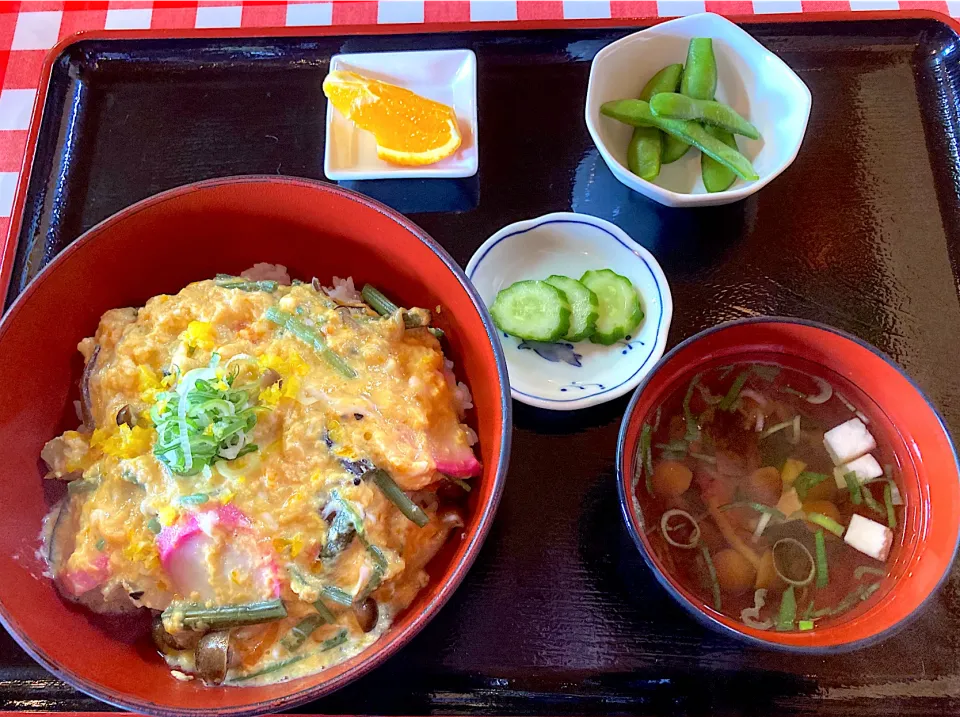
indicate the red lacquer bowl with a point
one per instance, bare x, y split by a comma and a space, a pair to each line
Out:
158, 246
923, 447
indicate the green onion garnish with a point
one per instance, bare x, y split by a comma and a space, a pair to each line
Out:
712, 571
337, 640
385, 307
233, 282
807, 480
795, 392
871, 502
805, 625
823, 572
301, 631
101, 544
704, 457
337, 595
309, 336
759, 507
727, 403
195, 499
862, 570
673, 446
825, 521
324, 612
853, 485
395, 495
888, 503
693, 428
646, 458
788, 610
204, 420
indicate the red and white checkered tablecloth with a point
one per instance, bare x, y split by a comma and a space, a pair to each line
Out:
29, 29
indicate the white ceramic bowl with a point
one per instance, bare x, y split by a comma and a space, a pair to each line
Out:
568, 376
447, 76
750, 78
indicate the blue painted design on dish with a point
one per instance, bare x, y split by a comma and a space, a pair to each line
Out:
625, 246
628, 343
581, 386
555, 352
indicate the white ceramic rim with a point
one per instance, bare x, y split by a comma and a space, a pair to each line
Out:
642, 254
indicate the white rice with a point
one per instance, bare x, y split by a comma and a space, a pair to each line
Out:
344, 291
267, 272
462, 398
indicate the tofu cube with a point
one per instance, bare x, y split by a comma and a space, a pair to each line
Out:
865, 468
848, 441
869, 537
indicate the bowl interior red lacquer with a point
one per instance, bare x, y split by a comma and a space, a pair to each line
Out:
930, 478
156, 247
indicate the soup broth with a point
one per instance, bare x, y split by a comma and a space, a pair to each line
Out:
770, 495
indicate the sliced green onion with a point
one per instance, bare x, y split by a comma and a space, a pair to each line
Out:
337, 595
712, 571
396, 496
725, 371
194, 499
383, 306
888, 503
101, 544
805, 625
301, 631
796, 430
196, 616
871, 502
788, 610
275, 667
807, 480
761, 526
793, 391
823, 572
646, 458
693, 428
704, 457
853, 485
825, 521
324, 612
656, 418
314, 339
335, 641
664, 528
808, 613
233, 282
759, 507
775, 429
728, 401
862, 570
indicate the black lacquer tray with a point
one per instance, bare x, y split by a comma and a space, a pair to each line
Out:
559, 614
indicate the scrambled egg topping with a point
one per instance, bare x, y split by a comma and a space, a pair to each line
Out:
257, 526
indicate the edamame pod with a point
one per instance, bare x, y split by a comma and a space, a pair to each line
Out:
646, 145
700, 73
717, 177
638, 114
643, 152
666, 80
672, 105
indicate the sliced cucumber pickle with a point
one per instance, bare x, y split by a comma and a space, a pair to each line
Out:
584, 307
620, 310
532, 310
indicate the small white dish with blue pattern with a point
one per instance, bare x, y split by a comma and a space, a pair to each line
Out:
567, 376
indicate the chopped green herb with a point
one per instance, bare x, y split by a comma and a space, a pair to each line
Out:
734, 393
871, 502
862, 570
823, 573
324, 612
805, 624
309, 336
673, 446
788, 610
793, 391
233, 282
888, 503
853, 485
194, 499
335, 641
301, 631
101, 544
807, 480
712, 572
704, 457
693, 429
337, 595
825, 521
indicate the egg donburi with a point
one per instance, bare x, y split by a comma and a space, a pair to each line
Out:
268, 466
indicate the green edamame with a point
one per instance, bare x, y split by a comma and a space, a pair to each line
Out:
700, 73
643, 152
666, 80
673, 149
646, 145
638, 114
671, 105
717, 177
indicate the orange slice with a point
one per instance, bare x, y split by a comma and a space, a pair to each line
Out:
410, 130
